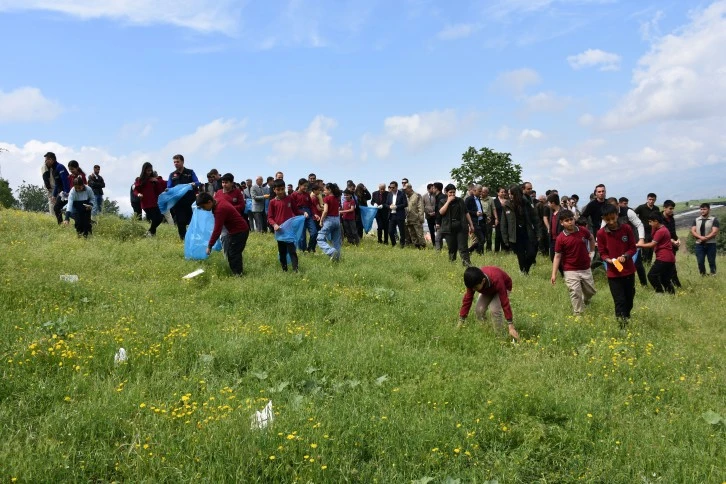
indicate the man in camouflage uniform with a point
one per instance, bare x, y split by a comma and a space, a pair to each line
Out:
415, 216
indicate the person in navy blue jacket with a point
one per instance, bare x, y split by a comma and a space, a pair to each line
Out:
397, 203
59, 197
183, 208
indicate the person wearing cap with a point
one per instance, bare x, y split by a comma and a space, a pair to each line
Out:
493, 286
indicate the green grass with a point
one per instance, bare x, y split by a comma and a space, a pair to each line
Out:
369, 379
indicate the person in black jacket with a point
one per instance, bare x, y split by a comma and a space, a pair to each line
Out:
95, 181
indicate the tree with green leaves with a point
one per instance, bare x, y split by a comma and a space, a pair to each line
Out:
32, 198
488, 168
110, 207
7, 199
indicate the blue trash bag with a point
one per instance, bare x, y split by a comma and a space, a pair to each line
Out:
248, 205
367, 216
198, 233
291, 229
169, 198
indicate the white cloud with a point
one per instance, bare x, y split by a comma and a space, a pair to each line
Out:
314, 143
516, 81
136, 130
27, 104
586, 119
682, 77
503, 133
545, 101
530, 134
208, 140
200, 15
650, 30
605, 61
458, 31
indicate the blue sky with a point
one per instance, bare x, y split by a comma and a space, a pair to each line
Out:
628, 93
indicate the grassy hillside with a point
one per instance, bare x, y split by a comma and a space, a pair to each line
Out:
369, 379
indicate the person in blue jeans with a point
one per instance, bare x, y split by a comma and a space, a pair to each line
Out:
330, 232
705, 230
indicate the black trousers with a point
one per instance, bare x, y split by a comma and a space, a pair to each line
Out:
155, 217
498, 240
136, 207
647, 254
458, 241
623, 291
183, 211
525, 248
478, 246
58, 208
431, 222
661, 276
487, 230
393, 223
285, 248
235, 246
382, 223
82, 216
640, 269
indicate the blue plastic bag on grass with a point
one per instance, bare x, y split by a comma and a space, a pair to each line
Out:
367, 216
198, 233
248, 205
168, 199
291, 229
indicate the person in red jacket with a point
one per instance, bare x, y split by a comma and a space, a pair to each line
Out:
493, 286
283, 208
616, 244
148, 187
661, 272
226, 216
230, 193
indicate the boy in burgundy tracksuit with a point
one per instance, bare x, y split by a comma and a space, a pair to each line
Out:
283, 208
302, 199
493, 286
661, 272
616, 243
230, 193
347, 216
226, 216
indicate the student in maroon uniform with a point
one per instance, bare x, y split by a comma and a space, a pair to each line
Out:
302, 199
493, 286
230, 193
572, 255
283, 208
226, 216
616, 243
661, 271
670, 223
148, 187
347, 217
330, 232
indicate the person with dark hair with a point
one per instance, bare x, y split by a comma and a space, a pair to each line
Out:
80, 205
616, 243
644, 212
520, 227
211, 185
430, 208
397, 203
97, 184
661, 272
626, 215
572, 258
705, 230
493, 286
553, 202
302, 200
670, 224
379, 199
490, 217
456, 224
476, 213
76, 171
594, 208
183, 207
147, 188
499, 201
440, 197
61, 185
281, 209
330, 232
415, 216
226, 217
361, 196
231, 193
347, 217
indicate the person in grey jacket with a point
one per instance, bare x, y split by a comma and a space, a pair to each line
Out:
259, 195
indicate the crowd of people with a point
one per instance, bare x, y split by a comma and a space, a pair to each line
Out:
605, 232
